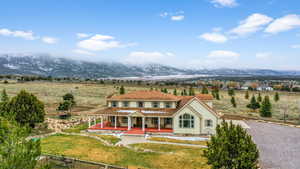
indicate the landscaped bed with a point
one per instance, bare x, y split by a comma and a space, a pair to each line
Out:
163, 156
171, 140
109, 138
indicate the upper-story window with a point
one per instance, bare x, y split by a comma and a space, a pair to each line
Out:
186, 121
114, 104
167, 104
125, 104
208, 123
155, 104
140, 104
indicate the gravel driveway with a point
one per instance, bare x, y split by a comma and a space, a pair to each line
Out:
279, 145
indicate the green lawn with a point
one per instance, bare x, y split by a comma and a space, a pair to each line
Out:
110, 139
78, 128
164, 157
177, 141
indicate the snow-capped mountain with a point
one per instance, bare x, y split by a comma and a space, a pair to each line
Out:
45, 65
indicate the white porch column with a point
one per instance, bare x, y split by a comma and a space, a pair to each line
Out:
101, 121
89, 122
143, 124
115, 122
158, 123
129, 123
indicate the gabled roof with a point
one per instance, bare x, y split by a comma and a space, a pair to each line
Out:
156, 95
145, 95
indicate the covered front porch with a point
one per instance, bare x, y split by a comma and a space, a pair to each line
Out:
133, 124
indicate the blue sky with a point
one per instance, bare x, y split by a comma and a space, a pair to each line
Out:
182, 33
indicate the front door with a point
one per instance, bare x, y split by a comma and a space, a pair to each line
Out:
139, 122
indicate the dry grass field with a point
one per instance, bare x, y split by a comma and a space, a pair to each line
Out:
90, 96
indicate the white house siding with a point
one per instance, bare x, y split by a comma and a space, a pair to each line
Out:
197, 122
201, 113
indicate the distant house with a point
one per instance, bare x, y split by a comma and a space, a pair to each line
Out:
265, 88
153, 111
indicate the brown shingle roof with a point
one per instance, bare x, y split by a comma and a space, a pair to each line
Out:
150, 111
145, 95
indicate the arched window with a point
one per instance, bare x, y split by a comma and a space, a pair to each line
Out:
186, 121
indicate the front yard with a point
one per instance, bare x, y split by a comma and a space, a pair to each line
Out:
146, 155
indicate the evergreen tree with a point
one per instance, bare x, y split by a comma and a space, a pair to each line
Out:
231, 92
175, 92
166, 90
253, 104
266, 108
4, 96
217, 96
191, 91
204, 90
259, 99
68, 102
16, 151
25, 108
276, 97
184, 92
247, 95
233, 101
69, 97
122, 90
231, 148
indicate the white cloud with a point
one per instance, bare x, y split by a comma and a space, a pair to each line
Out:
100, 42
223, 54
82, 35
83, 52
263, 55
251, 24
295, 46
140, 57
28, 35
49, 40
214, 37
224, 3
284, 23
177, 18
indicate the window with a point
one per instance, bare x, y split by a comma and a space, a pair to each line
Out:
114, 104
167, 104
140, 104
125, 104
167, 121
208, 123
154, 120
124, 119
155, 104
186, 121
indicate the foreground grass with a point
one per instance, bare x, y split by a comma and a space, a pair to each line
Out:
108, 138
177, 141
78, 128
168, 156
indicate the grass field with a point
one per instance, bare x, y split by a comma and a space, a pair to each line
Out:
177, 141
89, 96
161, 157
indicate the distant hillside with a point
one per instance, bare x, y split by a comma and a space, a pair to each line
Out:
62, 67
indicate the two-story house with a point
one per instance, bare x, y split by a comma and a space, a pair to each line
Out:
154, 111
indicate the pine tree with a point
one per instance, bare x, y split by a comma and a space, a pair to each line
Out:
175, 92
276, 97
231, 148
26, 108
191, 91
184, 92
266, 108
231, 92
204, 90
233, 101
253, 104
247, 95
259, 99
4, 96
217, 96
122, 90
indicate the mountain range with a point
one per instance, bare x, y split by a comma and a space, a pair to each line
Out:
44, 65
